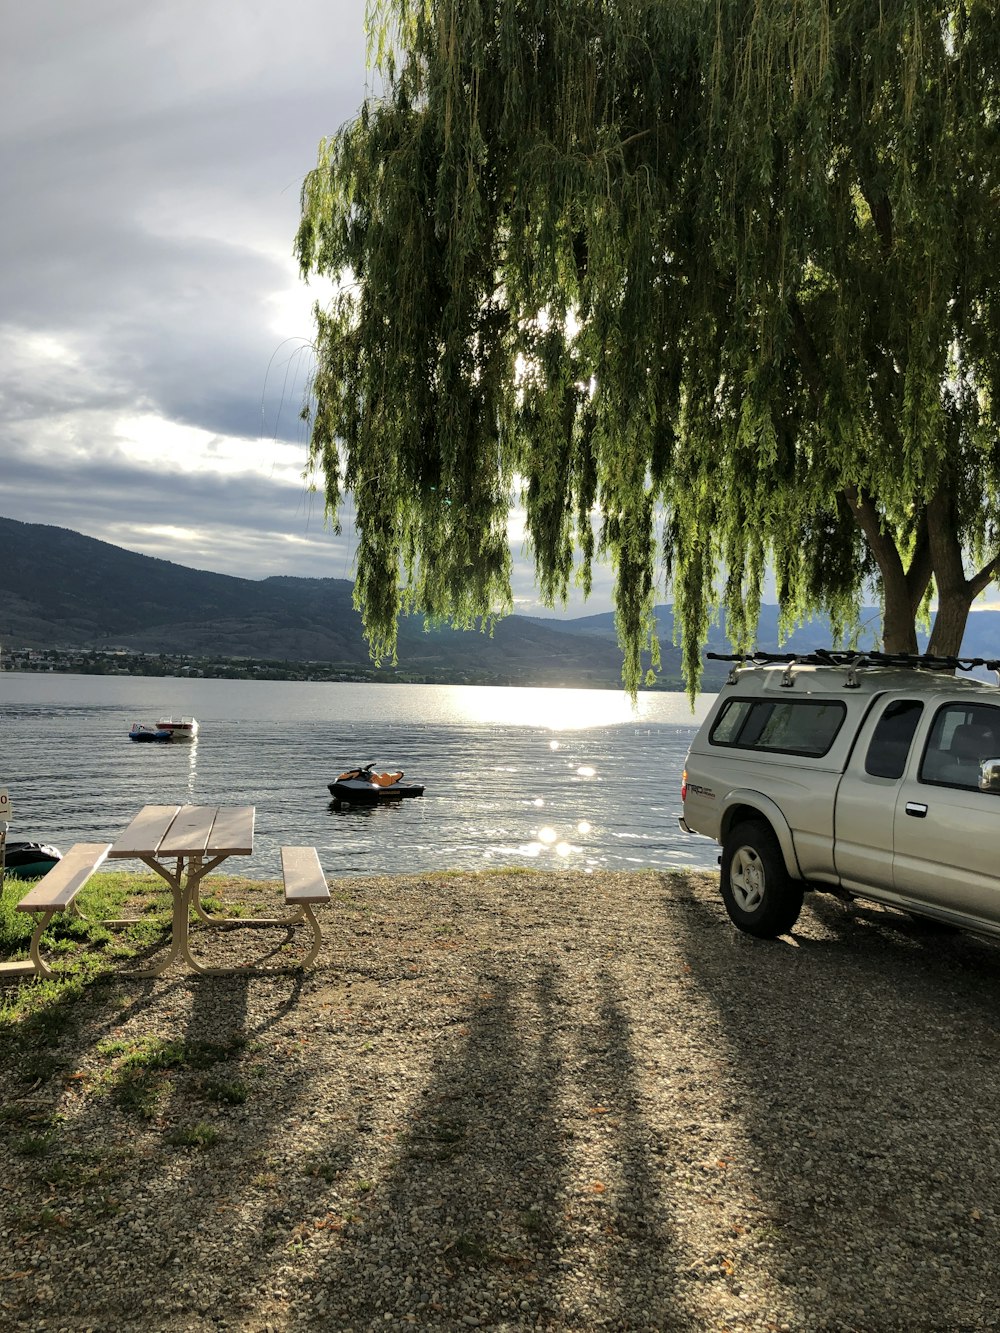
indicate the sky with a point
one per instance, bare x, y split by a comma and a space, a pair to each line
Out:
154, 330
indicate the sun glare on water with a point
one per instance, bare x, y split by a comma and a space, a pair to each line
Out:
557, 710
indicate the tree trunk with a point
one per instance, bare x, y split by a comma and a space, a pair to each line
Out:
950, 621
955, 592
899, 630
901, 593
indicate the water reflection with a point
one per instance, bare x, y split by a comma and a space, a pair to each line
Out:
337, 807
74, 775
556, 710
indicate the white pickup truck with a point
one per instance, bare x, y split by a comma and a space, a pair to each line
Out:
873, 775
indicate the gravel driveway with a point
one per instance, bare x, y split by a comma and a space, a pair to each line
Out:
518, 1101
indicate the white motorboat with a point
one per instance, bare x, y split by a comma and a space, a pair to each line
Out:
180, 728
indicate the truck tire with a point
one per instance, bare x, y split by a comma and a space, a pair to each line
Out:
760, 895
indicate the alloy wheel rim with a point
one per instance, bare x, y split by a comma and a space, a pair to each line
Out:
746, 879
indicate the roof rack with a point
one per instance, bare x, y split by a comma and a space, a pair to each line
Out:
853, 661
837, 657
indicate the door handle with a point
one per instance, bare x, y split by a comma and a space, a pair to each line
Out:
916, 809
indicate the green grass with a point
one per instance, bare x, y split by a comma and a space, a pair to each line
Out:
225, 1092
34, 1145
40, 1017
81, 950
151, 1053
198, 1135
139, 1078
68, 935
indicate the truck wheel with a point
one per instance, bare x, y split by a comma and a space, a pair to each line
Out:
760, 895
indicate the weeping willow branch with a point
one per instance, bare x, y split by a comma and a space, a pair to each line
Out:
736, 266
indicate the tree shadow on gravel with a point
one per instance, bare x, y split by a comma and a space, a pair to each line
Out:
518, 1191
157, 1110
859, 1098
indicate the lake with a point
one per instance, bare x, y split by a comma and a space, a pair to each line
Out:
544, 778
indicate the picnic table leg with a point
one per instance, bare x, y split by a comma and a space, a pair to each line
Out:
179, 924
307, 914
303, 913
196, 873
197, 870
41, 967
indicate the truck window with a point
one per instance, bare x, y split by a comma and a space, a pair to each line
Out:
889, 748
792, 726
962, 736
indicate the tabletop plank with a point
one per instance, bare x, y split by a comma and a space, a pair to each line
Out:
232, 832
145, 831
188, 830
190, 833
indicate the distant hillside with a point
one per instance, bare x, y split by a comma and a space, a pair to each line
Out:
815, 634
982, 635
63, 590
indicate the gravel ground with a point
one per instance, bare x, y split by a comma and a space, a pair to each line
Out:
517, 1101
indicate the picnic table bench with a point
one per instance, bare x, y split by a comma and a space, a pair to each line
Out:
305, 884
55, 892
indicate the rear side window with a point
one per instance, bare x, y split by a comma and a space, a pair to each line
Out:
789, 726
890, 743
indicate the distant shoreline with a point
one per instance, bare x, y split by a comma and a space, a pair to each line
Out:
124, 662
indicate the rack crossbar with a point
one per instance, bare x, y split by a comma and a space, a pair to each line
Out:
837, 657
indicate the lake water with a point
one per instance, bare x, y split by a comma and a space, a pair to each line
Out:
526, 777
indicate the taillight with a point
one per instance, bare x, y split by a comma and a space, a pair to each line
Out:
684, 785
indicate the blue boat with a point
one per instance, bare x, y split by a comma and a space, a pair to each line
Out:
156, 734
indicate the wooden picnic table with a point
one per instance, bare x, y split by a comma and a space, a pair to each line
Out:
182, 844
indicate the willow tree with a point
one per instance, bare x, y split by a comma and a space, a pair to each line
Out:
708, 287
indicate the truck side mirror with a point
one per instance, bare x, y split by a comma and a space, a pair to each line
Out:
989, 775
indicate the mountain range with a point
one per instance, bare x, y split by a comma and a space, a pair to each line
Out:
62, 590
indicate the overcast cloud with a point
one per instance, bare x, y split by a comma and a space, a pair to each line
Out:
154, 331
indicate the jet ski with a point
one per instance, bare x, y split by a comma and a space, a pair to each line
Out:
363, 786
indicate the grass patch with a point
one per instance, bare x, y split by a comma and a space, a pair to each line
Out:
198, 1135
34, 1145
472, 1249
40, 1016
225, 1092
139, 1077
157, 1053
68, 938
144, 900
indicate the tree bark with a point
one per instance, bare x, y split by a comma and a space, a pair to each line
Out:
899, 631
954, 590
950, 620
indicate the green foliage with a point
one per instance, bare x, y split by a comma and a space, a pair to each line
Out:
710, 286
225, 1092
198, 1135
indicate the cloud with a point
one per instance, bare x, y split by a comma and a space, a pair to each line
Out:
154, 332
